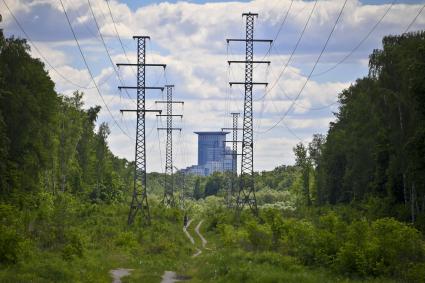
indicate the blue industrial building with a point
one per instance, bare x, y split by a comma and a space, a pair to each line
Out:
211, 146
213, 154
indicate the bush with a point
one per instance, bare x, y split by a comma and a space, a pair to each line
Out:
74, 246
232, 237
11, 241
299, 240
397, 244
10, 245
260, 236
126, 239
385, 247
416, 273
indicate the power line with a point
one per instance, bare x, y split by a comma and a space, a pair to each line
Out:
41, 54
293, 51
88, 69
116, 30
336, 65
120, 40
311, 72
373, 28
359, 44
279, 30
414, 19
106, 48
349, 54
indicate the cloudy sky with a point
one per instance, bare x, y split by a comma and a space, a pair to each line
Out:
190, 38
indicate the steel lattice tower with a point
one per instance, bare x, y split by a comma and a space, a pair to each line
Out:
246, 194
169, 178
233, 180
139, 200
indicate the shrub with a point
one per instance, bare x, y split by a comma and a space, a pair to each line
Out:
10, 245
126, 239
299, 240
260, 236
416, 273
232, 237
352, 254
74, 246
384, 248
11, 241
397, 244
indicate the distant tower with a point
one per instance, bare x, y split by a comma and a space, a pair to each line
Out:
169, 178
234, 154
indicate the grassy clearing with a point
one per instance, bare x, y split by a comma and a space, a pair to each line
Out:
95, 240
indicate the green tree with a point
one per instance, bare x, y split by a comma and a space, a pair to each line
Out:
375, 147
304, 162
197, 191
28, 105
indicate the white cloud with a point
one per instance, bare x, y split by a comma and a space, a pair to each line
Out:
190, 39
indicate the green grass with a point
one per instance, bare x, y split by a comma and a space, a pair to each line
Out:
235, 265
97, 239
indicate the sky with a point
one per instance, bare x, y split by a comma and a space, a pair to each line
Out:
305, 75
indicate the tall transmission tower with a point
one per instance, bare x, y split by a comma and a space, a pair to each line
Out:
139, 200
169, 178
246, 194
234, 177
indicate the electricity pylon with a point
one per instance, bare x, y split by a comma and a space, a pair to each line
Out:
169, 178
139, 200
246, 194
233, 180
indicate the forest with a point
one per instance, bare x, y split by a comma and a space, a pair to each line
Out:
352, 208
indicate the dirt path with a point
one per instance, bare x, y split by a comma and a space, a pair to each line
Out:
187, 233
117, 274
204, 241
171, 276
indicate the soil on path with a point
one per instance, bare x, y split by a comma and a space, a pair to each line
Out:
117, 274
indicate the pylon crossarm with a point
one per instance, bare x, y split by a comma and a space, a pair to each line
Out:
249, 40
181, 102
138, 65
141, 87
140, 110
173, 129
254, 62
173, 115
247, 83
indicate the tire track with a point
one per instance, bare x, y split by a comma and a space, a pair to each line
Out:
187, 233
204, 241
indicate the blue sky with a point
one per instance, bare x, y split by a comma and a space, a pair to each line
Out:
190, 38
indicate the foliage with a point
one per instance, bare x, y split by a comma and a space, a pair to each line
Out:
376, 146
383, 247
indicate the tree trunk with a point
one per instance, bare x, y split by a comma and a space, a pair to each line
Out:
307, 185
404, 189
412, 202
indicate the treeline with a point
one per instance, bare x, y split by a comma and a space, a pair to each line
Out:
48, 142
376, 147
269, 184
